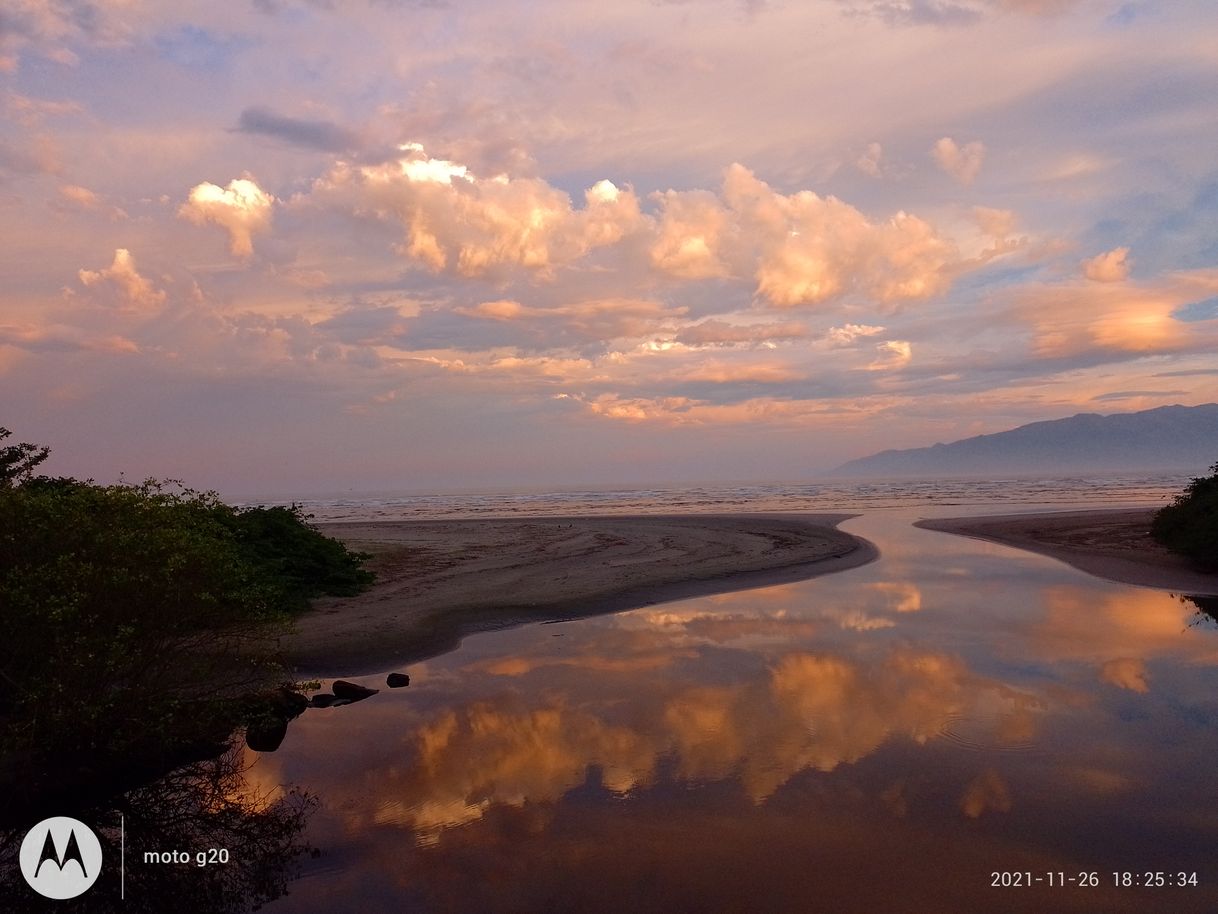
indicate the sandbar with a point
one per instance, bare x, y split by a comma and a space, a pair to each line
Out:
439, 580
1113, 544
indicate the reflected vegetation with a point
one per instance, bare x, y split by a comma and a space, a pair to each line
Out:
209, 805
883, 739
1207, 608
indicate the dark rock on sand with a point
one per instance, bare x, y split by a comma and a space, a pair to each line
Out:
267, 736
351, 691
397, 680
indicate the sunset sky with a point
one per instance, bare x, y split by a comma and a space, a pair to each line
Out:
311, 245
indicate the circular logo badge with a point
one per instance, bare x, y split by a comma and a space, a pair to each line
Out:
60, 857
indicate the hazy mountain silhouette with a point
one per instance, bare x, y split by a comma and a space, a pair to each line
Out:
1168, 438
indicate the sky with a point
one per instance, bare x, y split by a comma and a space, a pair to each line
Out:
328, 245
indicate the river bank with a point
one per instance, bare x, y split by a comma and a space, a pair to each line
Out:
438, 581
1111, 544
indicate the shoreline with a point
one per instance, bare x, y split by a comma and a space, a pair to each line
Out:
1111, 543
439, 581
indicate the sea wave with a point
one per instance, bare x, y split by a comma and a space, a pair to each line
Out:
844, 496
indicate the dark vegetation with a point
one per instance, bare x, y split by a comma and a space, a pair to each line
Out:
138, 622
1189, 525
202, 805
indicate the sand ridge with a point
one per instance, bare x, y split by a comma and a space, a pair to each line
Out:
439, 580
1113, 544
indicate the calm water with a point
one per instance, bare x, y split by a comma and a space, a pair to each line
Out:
884, 739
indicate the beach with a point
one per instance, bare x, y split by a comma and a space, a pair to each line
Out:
440, 580
1111, 544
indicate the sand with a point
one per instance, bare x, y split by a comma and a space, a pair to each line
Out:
1111, 544
441, 580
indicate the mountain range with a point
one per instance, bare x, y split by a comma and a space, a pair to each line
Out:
1183, 438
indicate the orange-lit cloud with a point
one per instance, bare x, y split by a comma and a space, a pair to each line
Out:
816, 711
694, 228
242, 209
459, 222
1111, 266
847, 334
1126, 673
813, 249
800, 249
58, 336
75, 197
902, 597
988, 792
132, 291
1118, 633
892, 354
1073, 318
961, 162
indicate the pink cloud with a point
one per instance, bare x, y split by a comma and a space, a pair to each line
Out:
1111, 266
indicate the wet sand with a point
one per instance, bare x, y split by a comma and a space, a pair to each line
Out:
1112, 544
438, 581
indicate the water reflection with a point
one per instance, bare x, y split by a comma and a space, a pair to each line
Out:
210, 805
882, 739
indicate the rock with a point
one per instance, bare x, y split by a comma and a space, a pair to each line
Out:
322, 700
397, 680
276, 704
351, 691
289, 703
266, 737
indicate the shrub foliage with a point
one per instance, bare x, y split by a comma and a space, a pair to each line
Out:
136, 617
1189, 525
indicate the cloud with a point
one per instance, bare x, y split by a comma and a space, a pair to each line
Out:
134, 292
1090, 319
1111, 266
988, 792
457, 222
693, 227
62, 338
806, 711
595, 320
892, 354
323, 135
812, 249
799, 250
49, 26
31, 112
869, 162
73, 197
241, 209
996, 223
848, 333
717, 332
961, 162
1126, 673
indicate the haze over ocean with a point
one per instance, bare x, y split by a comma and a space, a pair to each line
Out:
1092, 492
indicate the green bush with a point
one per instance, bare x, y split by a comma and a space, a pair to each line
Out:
298, 561
137, 617
123, 609
1189, 525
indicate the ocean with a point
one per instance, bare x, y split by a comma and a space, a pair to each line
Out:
838, 495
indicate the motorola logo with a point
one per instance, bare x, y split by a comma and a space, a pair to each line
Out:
60, 857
